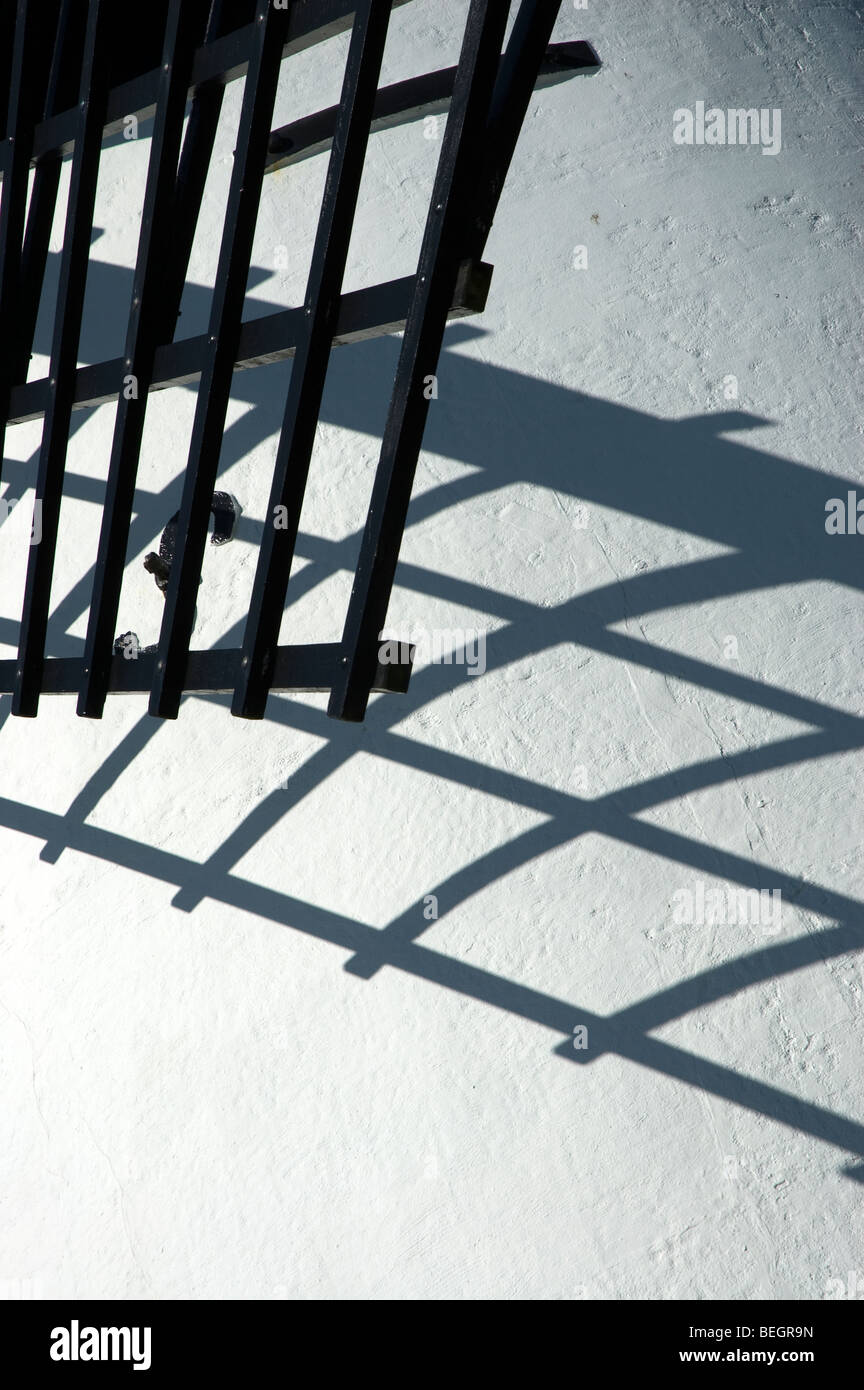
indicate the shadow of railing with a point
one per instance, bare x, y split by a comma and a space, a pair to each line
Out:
511, 428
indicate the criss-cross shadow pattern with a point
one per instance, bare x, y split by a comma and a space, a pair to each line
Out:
692, 474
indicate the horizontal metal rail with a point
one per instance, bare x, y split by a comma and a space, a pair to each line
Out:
367, 313
303, 668
412, 100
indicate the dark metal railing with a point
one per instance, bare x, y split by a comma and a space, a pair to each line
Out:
205, 45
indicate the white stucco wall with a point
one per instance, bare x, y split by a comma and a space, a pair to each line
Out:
202, 1097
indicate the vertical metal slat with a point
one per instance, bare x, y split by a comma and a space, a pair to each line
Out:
64, 356
224, 331
321, 308
43, 201
192, 172
526, 47
20, 124
142, 339
440, 256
